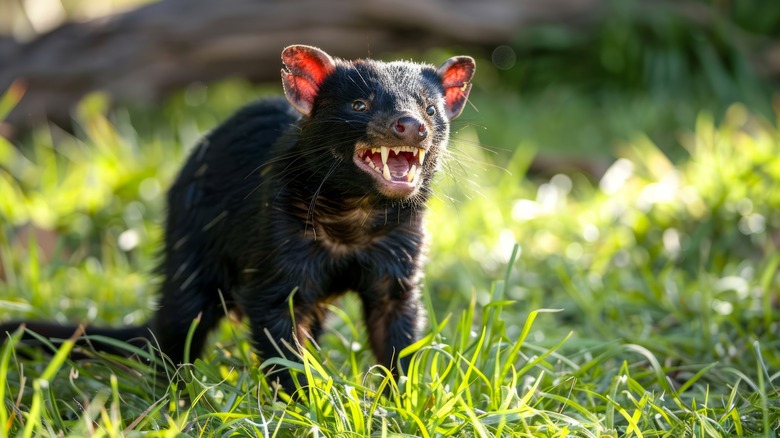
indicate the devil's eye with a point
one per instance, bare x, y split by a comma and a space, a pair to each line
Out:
359, 106
431, 110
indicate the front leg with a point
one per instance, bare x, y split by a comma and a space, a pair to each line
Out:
394, 317
275, 330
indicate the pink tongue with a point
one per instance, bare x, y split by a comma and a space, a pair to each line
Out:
398, 165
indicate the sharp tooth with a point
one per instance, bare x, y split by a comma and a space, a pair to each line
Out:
374, 150
385, 153
421, 156
386, 173
415, 151
412, 171
397, 150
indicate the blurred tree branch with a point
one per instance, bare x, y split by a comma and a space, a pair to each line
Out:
145, 53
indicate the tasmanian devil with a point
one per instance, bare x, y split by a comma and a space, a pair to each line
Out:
303, 200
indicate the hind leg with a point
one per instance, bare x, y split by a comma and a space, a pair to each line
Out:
175, 315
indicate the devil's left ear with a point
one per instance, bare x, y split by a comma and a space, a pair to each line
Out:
455, 75
307, 68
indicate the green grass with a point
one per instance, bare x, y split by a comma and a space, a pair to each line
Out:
643, 304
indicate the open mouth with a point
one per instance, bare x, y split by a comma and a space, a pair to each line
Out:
396, 165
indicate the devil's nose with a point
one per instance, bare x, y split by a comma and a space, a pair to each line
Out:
409, 129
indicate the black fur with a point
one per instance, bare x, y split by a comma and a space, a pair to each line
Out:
270, 207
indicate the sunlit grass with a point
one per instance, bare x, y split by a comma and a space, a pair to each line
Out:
643, 304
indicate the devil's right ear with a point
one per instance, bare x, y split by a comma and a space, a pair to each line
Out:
306, 69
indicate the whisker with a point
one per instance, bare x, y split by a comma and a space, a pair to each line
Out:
313, 203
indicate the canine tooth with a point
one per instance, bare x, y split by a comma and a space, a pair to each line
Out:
385, 153
421, 156
386, 172
412, 173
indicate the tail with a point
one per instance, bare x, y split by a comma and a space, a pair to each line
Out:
137, 336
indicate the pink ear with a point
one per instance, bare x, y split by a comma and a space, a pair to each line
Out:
307, 67
455, 75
